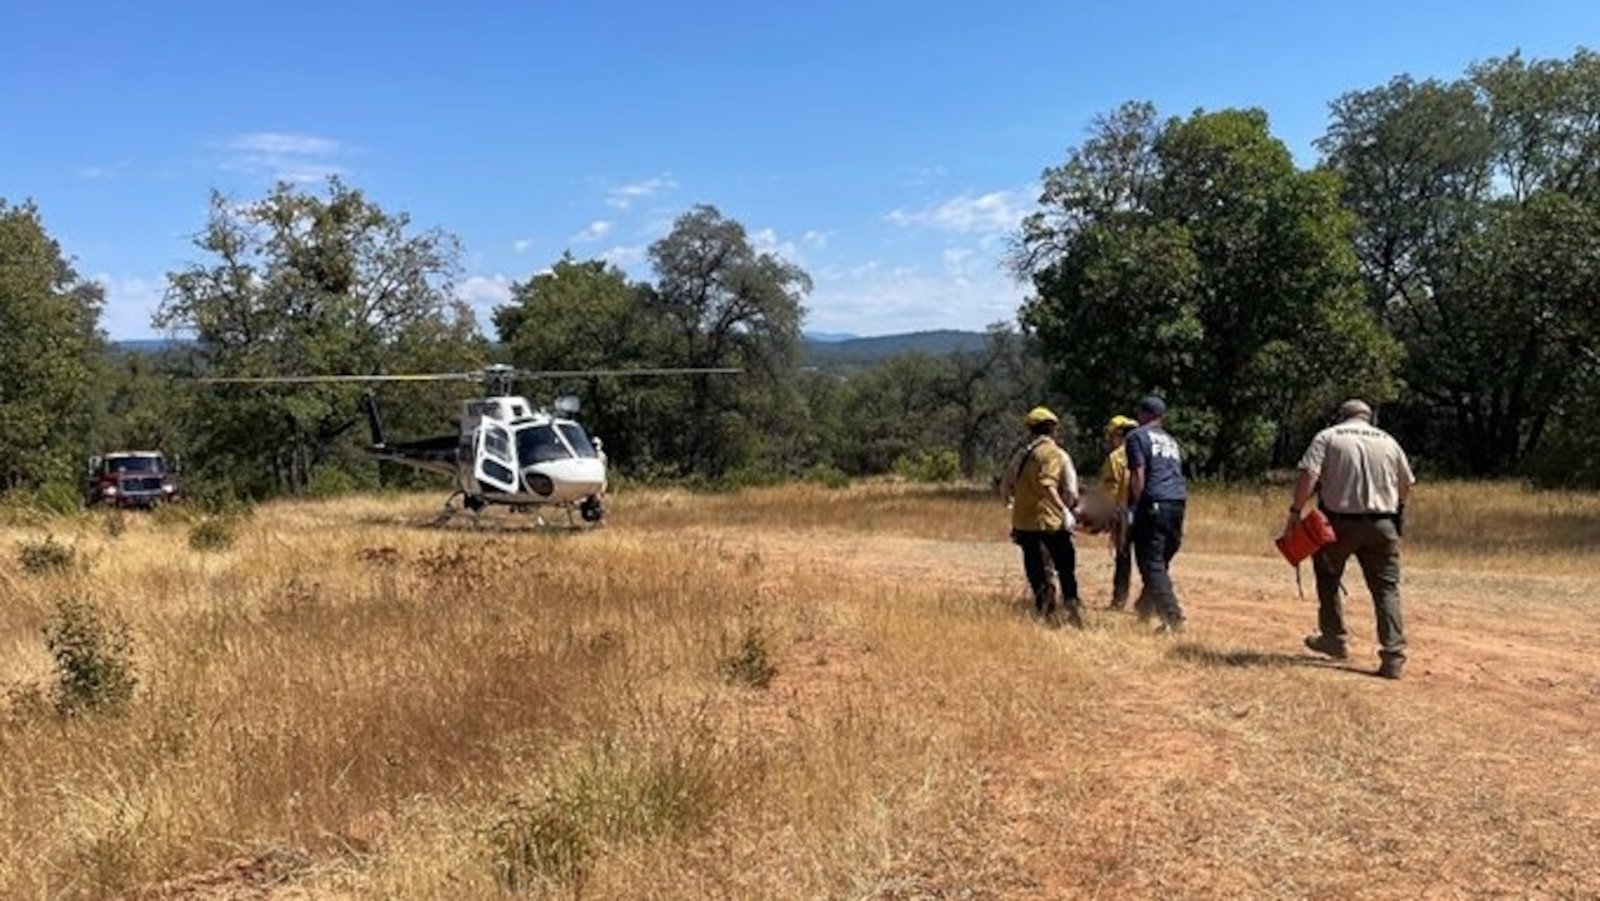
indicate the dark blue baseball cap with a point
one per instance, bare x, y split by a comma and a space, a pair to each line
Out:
1153, 405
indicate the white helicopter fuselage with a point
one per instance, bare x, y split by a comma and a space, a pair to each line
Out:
512, 453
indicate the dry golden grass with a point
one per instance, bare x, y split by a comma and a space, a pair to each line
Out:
347, 704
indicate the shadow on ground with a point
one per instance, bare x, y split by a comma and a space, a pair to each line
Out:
1191, 652
518, 524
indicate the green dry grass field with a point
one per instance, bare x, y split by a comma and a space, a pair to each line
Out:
793, 693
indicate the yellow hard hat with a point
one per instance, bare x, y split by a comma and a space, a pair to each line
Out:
1120, 423
1038, 415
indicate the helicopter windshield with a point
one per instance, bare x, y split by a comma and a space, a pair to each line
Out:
539, 444
579, 439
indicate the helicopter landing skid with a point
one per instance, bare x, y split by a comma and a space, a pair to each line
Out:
471, 506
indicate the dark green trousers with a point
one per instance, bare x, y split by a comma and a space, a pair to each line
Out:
1376, 546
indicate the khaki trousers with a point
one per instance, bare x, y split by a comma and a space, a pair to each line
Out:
1376, 546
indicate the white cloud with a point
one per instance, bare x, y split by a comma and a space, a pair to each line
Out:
100, 171
592, 232
874, 298
625, 196
958, 260
483, 293
766, 241
521, 245
287, 144
923, 175
992, 213
286, 156
624, 256
131, 301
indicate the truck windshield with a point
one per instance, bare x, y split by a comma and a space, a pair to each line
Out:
134, 464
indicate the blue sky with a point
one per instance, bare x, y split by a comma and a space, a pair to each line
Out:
887, 147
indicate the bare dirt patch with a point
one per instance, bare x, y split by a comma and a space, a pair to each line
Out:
1234, 762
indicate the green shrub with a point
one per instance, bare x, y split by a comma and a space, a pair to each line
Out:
94, 658
330, 481
58, 498
212, 533
40, 558
828, 476
749, 663
754, 475
929, 466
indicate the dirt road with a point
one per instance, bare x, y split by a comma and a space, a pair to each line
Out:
1475, 775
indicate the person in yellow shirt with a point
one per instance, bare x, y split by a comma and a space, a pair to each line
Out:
1114, 487
1045, 489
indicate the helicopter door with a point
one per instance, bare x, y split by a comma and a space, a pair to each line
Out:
496, 463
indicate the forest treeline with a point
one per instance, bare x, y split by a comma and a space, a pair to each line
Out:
1441, 258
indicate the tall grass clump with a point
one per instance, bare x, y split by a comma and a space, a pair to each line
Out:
611, 794
47, 556
212, 533
749, 662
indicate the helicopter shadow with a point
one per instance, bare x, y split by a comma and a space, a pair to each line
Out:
467, 524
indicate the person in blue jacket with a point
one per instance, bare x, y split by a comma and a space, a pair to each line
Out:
1158, 493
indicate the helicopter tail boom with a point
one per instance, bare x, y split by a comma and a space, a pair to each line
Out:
369, 405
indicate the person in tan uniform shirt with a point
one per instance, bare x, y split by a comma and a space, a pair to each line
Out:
1361, 478
1114, 485
1044, 489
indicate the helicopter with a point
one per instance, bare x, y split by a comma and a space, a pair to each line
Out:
507, 452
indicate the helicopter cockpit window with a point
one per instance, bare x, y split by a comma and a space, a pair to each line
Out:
539, 444
578, 438
497, 444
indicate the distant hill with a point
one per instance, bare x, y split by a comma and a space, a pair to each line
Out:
866, 351
150, 345
824, 349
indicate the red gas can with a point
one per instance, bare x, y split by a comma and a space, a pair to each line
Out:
1306, 537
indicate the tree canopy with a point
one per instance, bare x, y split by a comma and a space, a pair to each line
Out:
306, 284
1478, 202
1193, 258
1441, 259
50, 347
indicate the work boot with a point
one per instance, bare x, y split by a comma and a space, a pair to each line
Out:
1391, 666
1322, 644
1144, 607
1074, 614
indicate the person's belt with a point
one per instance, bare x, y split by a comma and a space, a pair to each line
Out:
1358, 517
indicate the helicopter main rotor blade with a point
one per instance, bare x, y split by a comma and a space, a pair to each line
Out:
578, 373
314, 379
486, 374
